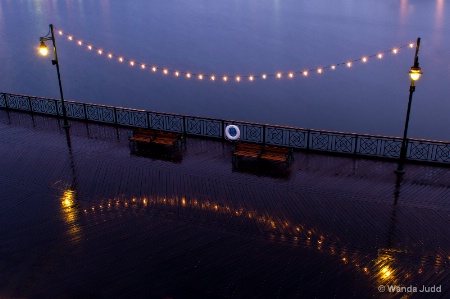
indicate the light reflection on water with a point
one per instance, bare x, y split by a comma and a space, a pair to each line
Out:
70, 215
243, 37
386, 266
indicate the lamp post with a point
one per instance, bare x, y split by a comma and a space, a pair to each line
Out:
415, 74
44, 51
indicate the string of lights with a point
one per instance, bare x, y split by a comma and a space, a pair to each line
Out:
226, 78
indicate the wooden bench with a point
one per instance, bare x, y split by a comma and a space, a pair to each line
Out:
149, 136
263, 152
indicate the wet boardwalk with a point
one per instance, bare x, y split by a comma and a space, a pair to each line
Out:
82, 217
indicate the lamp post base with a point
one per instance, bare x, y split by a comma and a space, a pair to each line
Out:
399, 171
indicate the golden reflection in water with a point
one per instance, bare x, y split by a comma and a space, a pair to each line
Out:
380, 270
70, 215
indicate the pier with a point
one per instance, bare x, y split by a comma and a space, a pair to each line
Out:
84, 217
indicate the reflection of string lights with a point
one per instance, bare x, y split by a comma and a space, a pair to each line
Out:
381, 270
238, 78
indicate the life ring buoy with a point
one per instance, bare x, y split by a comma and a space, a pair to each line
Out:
232, 132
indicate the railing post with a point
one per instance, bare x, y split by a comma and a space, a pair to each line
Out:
29, 104
6, 100
184, 125
307, 139
115, 116
223, 129
264, 134
148, 121
356, 145
85, 112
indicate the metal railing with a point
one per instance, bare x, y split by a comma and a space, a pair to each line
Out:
297, 138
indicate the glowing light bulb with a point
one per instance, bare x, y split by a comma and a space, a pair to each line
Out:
60, 32
305, 73
188, 75
225, 78
120, 59
43, 49
264, 76
213, 78
291, 75
142, 66
200, 76
238, 78
132, 63
411, 45
319, 71
80, 42
154, 69
70, 37
165, 71
380, 55
90, 47
177, 73
279, 75
100, 52
110, 55
251, 78
364, 59
395, 50
349, 64
333, 67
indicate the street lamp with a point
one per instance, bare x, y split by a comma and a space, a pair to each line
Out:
44, 51
415, 74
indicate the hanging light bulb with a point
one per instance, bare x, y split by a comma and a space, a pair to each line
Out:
349, 64
264, 76
380, 55
291, 75
90, 47
165, 71
200, 77
132, 63
60, 32
100, 52
279, 75
142, 66
319, 71
188, 75
411, 45
43, 49
110, 55
154, 68
177, 73
395, 50
251, 78
238, 78
70, 37
364, 59
80, 42
120, 59
305, 73
213, 78
225, 78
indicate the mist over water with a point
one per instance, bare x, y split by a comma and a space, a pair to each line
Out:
239, 38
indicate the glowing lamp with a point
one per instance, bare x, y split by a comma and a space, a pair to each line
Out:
415, 73
43, 49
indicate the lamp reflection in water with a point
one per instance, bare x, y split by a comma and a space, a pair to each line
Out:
69, 207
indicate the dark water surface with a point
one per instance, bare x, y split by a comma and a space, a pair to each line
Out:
242, 37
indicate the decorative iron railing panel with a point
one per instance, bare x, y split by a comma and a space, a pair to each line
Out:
388, 147
298, 138
130, 117
203, 127
2, 100
100, 113
18, 102
43, 106
166, 122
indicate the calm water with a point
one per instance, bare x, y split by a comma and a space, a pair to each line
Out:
242, 37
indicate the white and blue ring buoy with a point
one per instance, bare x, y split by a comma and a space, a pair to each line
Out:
232, 132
